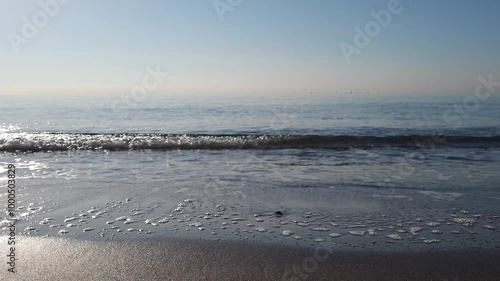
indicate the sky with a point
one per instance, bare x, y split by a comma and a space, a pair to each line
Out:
248, 47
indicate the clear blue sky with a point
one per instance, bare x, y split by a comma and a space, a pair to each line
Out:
260, 47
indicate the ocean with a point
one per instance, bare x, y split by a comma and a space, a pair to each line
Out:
372, 171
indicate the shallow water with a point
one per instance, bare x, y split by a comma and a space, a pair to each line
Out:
373, 193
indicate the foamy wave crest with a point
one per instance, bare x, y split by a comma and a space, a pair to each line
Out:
39, 142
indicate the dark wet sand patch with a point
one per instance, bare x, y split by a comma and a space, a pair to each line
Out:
183, 259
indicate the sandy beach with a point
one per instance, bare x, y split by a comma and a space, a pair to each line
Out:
183, 259
249, 140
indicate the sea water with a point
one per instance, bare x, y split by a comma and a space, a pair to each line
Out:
365, 171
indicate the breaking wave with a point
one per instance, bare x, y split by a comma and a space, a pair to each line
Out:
45, 142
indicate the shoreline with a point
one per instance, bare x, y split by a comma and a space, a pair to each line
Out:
188, 259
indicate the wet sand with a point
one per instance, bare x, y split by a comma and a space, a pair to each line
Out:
184, 259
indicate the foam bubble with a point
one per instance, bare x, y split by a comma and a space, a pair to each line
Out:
5, 223
432, 241
129, 221
394, 237
45, 221
465, 221
415, 230
356, 226
320, 229
357, 232
164, 220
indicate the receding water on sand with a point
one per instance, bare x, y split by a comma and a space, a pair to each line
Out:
392, 226
295, 197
